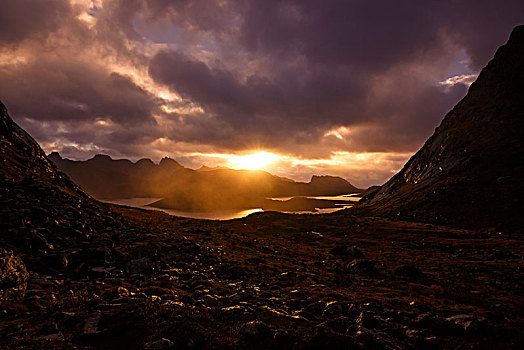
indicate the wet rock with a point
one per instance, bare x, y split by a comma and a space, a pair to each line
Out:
234, 310
410, 272
334, 309
209, 300
159, 344
354, 311
13, 276
256, 331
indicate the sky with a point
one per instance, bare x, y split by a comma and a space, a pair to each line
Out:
347, 88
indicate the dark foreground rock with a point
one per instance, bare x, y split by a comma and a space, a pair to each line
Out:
13, 276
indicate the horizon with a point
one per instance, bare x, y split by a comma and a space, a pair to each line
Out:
292, 88
196, 168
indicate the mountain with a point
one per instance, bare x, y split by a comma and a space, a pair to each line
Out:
205, 189
43, 213
470, 172
105, 178
101, 276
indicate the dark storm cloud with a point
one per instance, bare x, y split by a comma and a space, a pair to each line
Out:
345, 46
74, 90
21, 19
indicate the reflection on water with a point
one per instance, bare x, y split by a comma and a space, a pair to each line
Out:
235, 214
212, 215
345, 197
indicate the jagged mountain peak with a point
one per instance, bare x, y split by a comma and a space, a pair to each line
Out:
469, 173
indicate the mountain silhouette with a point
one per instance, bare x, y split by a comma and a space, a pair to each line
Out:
470, 172
205, 189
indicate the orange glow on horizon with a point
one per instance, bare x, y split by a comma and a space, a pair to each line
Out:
254, 161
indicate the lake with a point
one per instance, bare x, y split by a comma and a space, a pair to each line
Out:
235, 214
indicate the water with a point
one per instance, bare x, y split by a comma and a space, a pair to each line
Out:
233, 214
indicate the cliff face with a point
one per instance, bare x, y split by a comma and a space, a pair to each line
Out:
469, 173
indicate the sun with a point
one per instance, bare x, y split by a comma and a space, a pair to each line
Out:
254, 161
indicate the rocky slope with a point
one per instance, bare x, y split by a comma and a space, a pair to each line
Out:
469, 173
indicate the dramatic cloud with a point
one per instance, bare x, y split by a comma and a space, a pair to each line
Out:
349, 88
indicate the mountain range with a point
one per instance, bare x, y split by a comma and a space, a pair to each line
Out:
205, 189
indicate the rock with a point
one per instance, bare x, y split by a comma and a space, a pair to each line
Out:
13, 276
49, 328
209, 300
410, 272
283, 340
55, 261
452, 179
342, 250
91, 324
315, 309
334, 309
234, 310
115, 294
138, 266
57, 337
256, 331
368, 320
363, 267
424, 320
159, 344
325, 338
468, 323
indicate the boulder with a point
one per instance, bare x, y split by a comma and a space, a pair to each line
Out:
13, 276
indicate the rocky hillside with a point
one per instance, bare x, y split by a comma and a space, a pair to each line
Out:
470, 172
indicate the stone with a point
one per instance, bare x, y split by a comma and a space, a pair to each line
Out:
138, 266
410, 272
256, 331
13, 276
334, 309
159, 344
91, 324
468, 323
362, 267
350, 252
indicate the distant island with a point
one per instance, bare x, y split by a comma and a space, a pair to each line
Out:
203, 190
